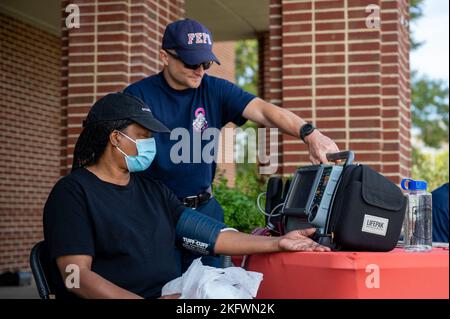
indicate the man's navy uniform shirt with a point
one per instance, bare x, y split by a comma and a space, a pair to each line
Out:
212, 105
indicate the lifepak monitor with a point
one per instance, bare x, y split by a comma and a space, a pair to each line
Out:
352, 206
310, 196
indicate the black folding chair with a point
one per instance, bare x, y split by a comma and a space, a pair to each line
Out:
40, 266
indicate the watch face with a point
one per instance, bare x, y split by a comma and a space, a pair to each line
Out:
306, 130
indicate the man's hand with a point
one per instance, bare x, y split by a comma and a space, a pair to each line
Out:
297, 240
319, 145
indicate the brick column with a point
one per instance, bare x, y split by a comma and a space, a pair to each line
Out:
351, 80
148, 21
273, 86
225, 51
264, 64
117, 43
396, 92
63, 88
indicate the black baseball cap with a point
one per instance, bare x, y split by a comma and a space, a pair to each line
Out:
191, 40
123, 106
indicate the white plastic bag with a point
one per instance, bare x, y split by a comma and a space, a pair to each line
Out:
204, 282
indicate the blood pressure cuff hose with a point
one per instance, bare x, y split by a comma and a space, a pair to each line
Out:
197, 232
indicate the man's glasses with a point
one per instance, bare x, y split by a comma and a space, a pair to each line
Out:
205, 65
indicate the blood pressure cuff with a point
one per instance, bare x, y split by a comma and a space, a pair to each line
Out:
197, 232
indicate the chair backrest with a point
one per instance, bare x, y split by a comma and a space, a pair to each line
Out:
40, 266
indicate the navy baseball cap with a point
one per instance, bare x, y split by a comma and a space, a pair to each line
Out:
122, 106
191, 40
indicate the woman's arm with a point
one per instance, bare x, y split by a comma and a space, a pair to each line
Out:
236, 243
91, 284
202, 234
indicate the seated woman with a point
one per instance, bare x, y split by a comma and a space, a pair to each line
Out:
120, 227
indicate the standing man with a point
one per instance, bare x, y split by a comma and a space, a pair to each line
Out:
184, 96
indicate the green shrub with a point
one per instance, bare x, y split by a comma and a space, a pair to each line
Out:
239, 203
431, 168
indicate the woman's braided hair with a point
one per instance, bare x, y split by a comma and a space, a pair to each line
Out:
91, 143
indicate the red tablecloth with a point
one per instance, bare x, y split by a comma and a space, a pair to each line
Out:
395, 274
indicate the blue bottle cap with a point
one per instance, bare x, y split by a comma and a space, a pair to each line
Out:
412, 185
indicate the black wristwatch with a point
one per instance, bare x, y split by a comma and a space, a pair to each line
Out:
305, 130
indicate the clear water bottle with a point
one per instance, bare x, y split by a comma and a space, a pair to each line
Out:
418, 219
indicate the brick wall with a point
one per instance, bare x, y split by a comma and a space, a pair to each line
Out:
350, 80
117, 43
274, 85
225, 51
29, 134
396, 93
264, 64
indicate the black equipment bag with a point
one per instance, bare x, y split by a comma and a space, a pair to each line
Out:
368, 211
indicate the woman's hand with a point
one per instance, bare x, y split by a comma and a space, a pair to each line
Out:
297, 240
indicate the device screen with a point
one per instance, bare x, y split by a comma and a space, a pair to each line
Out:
302, 188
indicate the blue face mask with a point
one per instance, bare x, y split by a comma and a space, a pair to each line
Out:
146, 153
